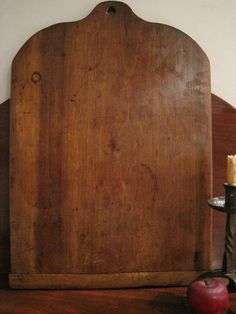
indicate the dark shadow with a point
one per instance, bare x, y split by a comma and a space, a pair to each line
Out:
4, 193
170, 303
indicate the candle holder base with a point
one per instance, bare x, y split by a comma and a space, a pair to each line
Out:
229, 278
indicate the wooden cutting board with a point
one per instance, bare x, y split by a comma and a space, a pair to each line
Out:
110, 155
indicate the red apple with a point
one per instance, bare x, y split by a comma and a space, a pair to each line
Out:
208, 296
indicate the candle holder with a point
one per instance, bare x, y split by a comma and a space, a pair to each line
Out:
227, 204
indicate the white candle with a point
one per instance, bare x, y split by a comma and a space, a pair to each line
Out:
231, 170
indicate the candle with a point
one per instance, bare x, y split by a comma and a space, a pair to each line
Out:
231, 170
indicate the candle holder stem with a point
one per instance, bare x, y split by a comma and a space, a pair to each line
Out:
227, 264
226, 204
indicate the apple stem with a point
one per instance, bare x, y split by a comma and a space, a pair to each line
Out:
206, 282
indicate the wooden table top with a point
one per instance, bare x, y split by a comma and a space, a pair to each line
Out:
125, 301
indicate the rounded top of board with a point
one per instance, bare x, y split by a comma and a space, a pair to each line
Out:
113, 12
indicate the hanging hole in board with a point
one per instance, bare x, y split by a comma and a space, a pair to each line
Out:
111, 10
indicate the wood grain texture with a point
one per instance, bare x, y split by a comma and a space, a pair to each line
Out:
101, 281
131, 301
223, 120
4, 192
110, 149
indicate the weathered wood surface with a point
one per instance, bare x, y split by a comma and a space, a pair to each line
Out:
101, 281
224, 122
94, 302
110, 150
131, 301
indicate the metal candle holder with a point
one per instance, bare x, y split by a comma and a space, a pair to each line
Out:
227, 204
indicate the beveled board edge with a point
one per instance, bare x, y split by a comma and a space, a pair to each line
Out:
101, 281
